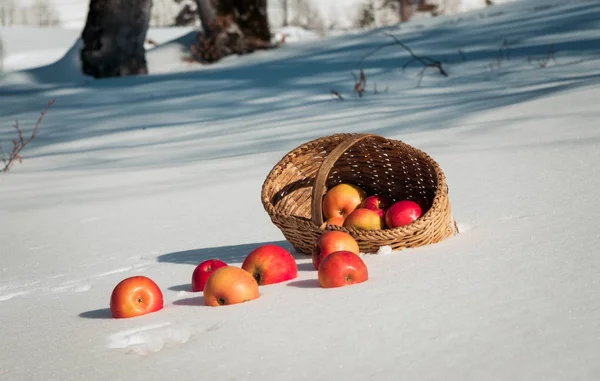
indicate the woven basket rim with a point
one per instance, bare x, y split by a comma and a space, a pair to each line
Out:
440, 192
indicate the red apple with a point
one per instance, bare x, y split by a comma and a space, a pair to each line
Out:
342, 268
402, 213
270, 264
363, 218
135, 296
378, 203
203, 271
330, 242
341, 200
230, 285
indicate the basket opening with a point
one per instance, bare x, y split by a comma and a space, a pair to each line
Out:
378, 166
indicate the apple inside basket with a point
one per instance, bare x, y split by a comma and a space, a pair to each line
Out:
293, 192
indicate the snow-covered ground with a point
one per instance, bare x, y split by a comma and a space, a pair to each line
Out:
151, 175
23, 48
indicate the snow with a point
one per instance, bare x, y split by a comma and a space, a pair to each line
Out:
22, 48
289, 34
385, 250
151, 175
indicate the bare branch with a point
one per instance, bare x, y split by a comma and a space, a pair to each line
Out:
19, 132
20, 142
360, 84
503, 55
408, 63
3, 155
426, 61
544, 61
378, 48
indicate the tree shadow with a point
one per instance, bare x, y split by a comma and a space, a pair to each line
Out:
102, 313
295, 83
228, 254
306, 283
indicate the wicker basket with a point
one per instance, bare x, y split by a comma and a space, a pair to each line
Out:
293, 191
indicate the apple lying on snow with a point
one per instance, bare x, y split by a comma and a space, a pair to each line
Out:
402, 213
270, 264
332, 241
203, 271
341, 200
363, 218
342, 268
230, 285
135, 296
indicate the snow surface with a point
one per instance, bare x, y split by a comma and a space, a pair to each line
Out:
22, 48
151, 175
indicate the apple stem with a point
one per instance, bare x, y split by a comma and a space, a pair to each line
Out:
256, 276
348, 278
221, 301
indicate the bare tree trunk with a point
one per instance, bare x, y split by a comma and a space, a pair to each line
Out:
249, 15
286, 12
208, 15
113, 38
231, 27
405, 10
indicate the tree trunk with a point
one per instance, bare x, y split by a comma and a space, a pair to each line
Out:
235, 27
208, 15
405, 10
113, 38
249, 15
286, 12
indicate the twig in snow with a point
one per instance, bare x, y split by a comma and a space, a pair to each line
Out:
360, 84
543, 62
503, 55
337, 95
20, 142
375, 91
426, 61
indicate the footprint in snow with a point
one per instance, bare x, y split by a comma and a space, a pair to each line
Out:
9, 291
73, 287
10, 295
148, 339
115, 271
140, 267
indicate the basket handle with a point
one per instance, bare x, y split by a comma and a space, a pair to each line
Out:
319, 186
